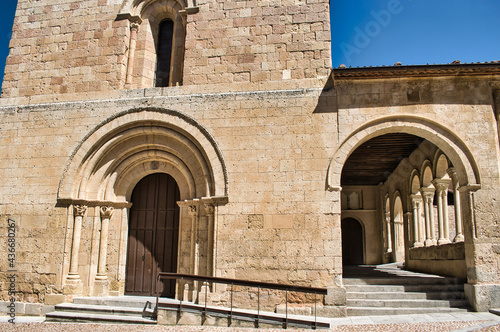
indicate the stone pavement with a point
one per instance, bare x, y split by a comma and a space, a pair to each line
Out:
458, 322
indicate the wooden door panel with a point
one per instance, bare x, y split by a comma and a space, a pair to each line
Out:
153, 235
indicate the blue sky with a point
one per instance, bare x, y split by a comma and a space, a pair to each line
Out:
6, 21
383, 32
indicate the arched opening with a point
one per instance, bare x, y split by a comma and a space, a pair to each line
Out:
352, 242
157, 42
164, 53
153, 236
109, 168
400, 158
398, 231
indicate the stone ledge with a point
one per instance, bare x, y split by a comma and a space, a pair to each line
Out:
451, 251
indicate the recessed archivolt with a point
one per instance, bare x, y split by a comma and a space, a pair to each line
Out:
113, 157
137, 7
451, 145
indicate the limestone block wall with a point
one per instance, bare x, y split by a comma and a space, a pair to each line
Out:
462, 106
63, 47
279, 223
369, 215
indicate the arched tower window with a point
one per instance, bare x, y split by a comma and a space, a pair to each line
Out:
164, 53
157, 41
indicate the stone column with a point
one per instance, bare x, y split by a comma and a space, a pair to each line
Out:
427, 197
106, 213
78, 214
134, 27
459, 237
210, 210
441, 186
193, 211
416, 201
389, 233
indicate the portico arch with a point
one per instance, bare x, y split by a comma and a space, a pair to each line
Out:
456, 150
413, 177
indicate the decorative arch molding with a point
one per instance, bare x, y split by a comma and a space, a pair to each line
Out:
427, 174
441, 165
398, 202
145, 17
414, 182
134, 8
456, 150
110, 160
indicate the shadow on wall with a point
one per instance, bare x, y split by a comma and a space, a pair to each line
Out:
406, 85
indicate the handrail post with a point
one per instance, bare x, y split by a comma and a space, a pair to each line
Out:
181, 296
157, 298
229, 321
286, 309
315, 315
258, 306
206, 291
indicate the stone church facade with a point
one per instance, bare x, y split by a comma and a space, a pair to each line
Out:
214, 138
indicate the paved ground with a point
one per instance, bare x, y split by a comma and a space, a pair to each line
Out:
461, 322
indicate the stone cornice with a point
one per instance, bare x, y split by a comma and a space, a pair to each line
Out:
477, 69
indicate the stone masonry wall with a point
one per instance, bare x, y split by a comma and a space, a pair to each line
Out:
278, 225
63, 47
460, 105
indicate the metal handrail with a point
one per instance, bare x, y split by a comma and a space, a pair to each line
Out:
245, 283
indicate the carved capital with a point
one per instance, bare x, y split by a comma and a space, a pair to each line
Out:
106, 212
210, 209
441, 186
134, 26
192, 210
427, 194
416, 200
79, 210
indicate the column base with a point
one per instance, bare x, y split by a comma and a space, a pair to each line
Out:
443, 241
459, 238
430, 242
418, 245
73, 286
101, 287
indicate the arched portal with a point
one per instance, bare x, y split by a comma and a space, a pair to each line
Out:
106, 171
395, 157
153, 236
352, 242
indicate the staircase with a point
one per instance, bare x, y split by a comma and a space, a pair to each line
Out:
117, 310
389, 290
139, 310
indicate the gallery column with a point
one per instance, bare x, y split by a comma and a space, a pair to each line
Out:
427, 197
441, 186
459, 237
416, 202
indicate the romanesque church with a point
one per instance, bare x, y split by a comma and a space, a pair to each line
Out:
214, 138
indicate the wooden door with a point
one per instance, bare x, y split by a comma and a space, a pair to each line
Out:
153, 236
352, 242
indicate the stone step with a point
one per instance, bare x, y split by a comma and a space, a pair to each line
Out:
404, 288
403, 281
369, 311
86, 317
100, 309
444, 295
117, 301
430, 304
